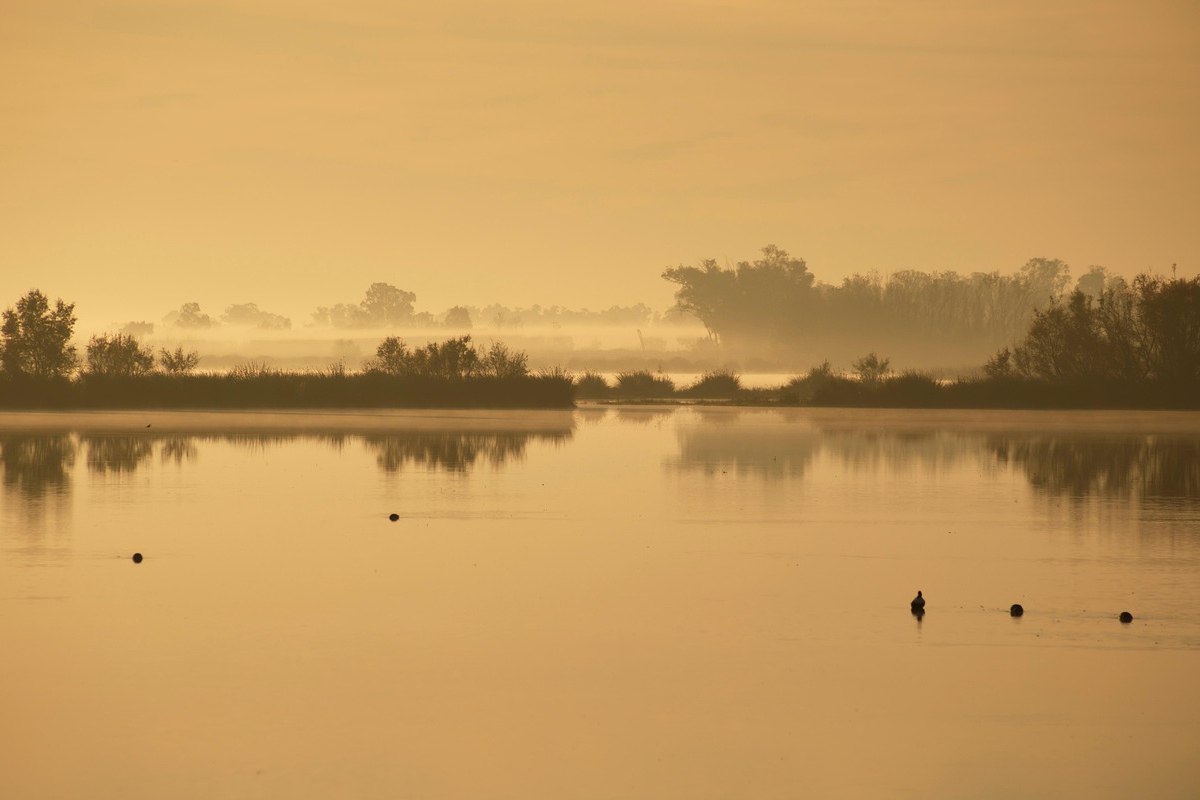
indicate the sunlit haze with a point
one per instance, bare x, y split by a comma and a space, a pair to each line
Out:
291, 153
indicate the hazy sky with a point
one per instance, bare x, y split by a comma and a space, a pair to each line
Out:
291, 152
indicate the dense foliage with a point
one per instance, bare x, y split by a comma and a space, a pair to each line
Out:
118, 355
37, 338
776, 304
1147, 332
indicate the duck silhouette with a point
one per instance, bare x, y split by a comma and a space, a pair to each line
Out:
918, 602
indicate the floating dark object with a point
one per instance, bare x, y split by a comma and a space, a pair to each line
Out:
137, 558
1126, 616
1016, 609
918, 602
393, 517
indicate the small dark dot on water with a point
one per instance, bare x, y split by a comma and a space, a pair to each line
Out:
393, 517
1126, 616
1016, 610
137, 558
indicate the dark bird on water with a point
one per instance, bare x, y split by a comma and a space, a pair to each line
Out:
918, 603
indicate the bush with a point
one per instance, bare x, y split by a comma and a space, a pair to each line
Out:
871, 369
118, 356
801, 389
501, 362
178, 362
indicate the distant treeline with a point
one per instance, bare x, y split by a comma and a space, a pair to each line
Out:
1127, 346
40, 368
387, 306
774, 304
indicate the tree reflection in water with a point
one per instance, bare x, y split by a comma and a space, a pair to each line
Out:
1157, 467
453, 452
116, 453
34, 465
1137, 466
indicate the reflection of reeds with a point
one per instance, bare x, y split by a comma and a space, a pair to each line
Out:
178, 449
254, 387
918, 391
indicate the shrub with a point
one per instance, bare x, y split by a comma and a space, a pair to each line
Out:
118, 356
178, 362
501, 362
871, 369
802, 388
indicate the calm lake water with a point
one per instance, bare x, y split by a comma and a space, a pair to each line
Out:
604, 603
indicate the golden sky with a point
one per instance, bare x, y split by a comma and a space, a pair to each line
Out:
291, 152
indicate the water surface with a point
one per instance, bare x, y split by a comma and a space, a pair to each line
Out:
631, 602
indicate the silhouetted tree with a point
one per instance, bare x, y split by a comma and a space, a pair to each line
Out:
36, 337
1092, 282
387, 305
452, 359
775, 300
1170, 315
768, 296
178, 362
118, 356
871, 368
137, 329
382, 305
391, 357
249, 314
501, 362
458, 317
190, 316
1148, 331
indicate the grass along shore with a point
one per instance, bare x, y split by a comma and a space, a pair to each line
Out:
291, 390
822, 388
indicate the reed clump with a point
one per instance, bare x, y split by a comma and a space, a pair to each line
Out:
592, 386
643, 385
717, 384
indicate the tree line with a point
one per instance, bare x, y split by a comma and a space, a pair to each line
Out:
1147, 331
36, 343
776, 303
387, 306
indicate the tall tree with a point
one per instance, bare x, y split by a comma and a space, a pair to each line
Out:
37, 338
